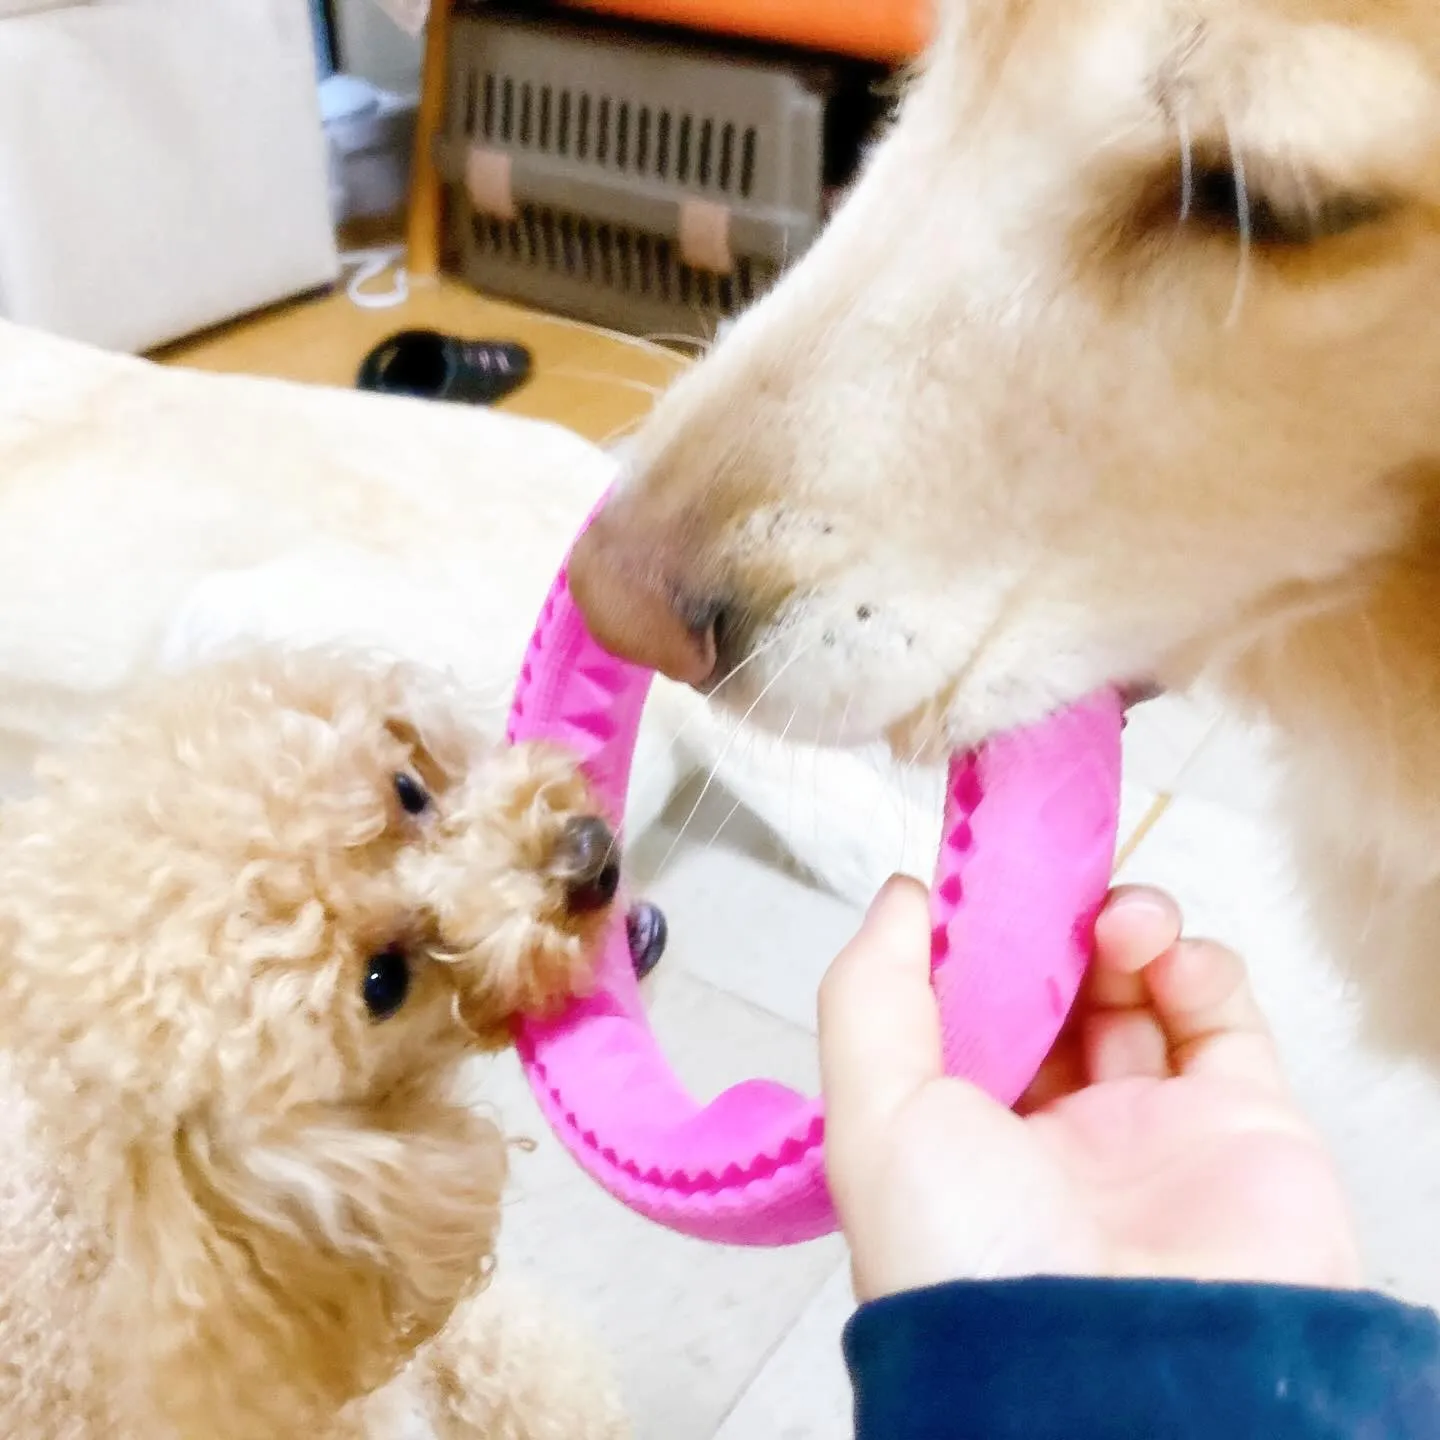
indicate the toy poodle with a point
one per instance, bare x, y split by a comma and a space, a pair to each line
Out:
251, 932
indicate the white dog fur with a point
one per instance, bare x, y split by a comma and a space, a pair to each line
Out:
152, 517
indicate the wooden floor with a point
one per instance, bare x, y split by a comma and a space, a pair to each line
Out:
591, 380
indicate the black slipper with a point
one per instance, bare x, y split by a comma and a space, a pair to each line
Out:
647, 932
433, 366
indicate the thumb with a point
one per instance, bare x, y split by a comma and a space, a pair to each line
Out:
948, 1188
879, 1022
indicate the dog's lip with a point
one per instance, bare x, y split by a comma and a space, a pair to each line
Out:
1132, 693
1139, 692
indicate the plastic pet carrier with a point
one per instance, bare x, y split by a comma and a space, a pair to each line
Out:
637, 179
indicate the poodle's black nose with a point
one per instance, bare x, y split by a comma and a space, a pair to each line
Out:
589, 862
647, 932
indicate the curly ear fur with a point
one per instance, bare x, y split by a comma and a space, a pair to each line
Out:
282, 1272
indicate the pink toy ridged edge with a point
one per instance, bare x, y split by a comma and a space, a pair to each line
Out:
774, 1198
786, 1205
791, 1180
791, 1177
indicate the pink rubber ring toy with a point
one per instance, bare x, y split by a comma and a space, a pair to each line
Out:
1024, 865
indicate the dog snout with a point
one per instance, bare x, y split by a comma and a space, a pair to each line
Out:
626, 586
588, 863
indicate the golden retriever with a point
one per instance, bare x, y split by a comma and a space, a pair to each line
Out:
1120, 363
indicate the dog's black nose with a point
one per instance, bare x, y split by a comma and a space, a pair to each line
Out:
589, 864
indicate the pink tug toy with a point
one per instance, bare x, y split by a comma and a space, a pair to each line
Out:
1029, 842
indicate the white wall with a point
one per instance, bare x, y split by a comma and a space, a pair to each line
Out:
374, 47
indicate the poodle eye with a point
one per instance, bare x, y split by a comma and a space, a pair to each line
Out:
387, 983
414, 798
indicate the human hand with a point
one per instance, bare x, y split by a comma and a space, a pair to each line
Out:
1159, 1140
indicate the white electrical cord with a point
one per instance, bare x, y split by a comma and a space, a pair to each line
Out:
369, 265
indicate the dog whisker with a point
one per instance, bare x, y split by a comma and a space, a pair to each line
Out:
589, 330
908, 769
705, 711
818, 750
725, 752
1392, 779
780, 740
598, 377
1187, 165
729, 816
1245, 227
760, 650
791, 786
627, 427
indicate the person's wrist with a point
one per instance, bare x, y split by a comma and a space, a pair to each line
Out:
882, 1270
1024, 1256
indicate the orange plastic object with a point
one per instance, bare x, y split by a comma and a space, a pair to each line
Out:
887, 30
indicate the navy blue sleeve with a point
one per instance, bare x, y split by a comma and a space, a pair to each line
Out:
1050, 1359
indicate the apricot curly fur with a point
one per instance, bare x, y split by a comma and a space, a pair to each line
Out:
236, 1204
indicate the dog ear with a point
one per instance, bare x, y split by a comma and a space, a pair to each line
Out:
287, 1271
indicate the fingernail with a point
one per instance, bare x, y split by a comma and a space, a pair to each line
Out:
1142, 900
889, 894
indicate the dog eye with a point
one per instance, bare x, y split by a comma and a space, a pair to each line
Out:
387, 983
414, 798
1215, 204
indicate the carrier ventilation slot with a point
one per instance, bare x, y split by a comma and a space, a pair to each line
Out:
621, 259
672, 146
